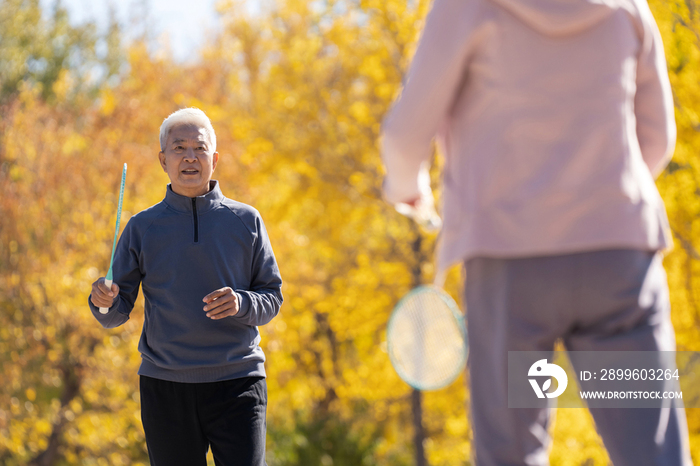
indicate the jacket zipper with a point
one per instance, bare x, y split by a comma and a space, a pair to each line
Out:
196, 221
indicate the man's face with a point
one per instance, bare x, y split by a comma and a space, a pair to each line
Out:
188, 160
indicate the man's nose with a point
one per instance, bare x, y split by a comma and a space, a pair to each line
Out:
190, 154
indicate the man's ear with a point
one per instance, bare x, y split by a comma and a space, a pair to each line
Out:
215, 160
161, 158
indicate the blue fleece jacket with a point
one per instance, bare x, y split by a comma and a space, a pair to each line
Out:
180, 250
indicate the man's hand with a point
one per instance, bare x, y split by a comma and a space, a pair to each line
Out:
101, 295
221, 303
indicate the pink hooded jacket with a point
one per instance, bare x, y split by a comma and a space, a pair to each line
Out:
555, 116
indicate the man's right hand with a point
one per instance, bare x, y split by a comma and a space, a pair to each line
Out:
101, 295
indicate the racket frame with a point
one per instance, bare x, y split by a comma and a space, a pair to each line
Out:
108, 278
461, 324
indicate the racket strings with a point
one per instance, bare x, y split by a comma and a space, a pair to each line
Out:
426, 340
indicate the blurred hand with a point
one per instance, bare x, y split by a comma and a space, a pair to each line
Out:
422, 211
412, 202
221, 303
103, 296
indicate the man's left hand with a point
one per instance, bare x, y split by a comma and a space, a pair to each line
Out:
221, 303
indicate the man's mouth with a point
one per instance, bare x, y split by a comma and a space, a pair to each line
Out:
190, 171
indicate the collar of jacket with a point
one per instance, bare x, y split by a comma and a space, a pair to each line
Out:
183, 204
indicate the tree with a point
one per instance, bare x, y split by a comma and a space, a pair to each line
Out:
51, 54
296, 93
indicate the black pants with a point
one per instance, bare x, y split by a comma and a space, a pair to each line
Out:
182, 420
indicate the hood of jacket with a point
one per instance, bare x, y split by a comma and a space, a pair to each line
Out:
562, 17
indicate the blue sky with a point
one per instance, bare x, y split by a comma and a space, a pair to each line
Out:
175, 22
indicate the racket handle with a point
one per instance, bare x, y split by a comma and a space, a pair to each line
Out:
105, 310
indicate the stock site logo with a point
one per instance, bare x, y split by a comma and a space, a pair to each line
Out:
542, 369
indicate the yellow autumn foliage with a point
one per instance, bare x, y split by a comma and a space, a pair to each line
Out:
296, 94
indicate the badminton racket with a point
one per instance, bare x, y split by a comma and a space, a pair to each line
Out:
427, 338
108, 278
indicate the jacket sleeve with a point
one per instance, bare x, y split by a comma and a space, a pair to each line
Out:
656, 125
127, 275
262, 302
432, 83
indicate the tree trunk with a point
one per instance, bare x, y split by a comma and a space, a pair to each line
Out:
72, 381
418, 432
416, 396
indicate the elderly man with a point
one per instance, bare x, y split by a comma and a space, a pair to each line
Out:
209, 278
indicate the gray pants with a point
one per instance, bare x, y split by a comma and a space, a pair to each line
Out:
603, 300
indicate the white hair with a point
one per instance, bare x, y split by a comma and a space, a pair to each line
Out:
187, 116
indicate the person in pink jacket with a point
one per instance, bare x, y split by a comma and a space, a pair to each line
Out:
555, 117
